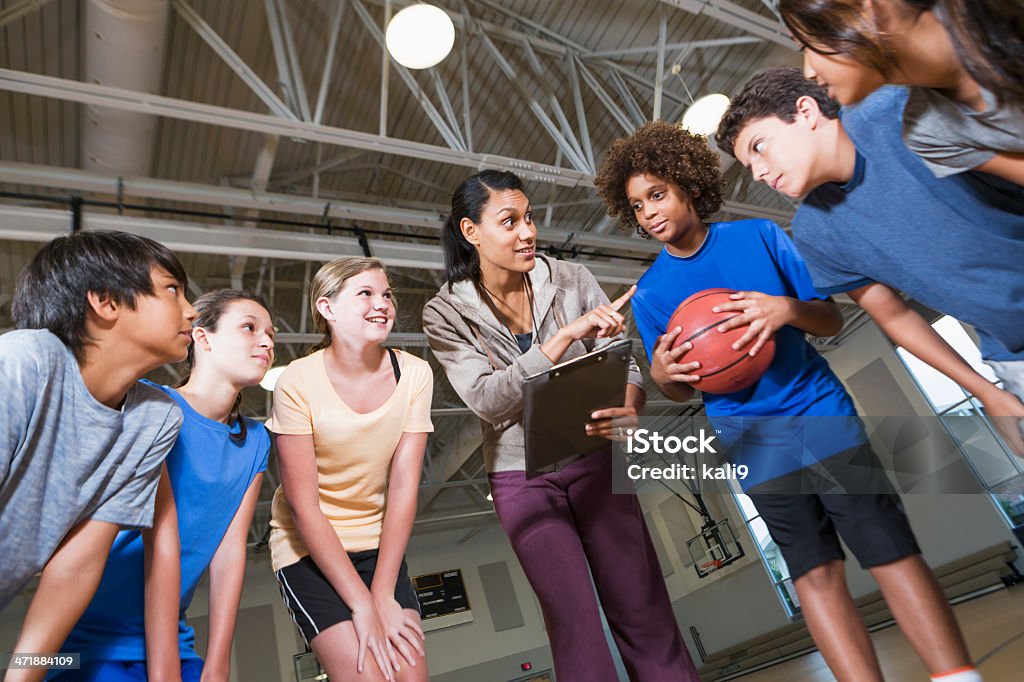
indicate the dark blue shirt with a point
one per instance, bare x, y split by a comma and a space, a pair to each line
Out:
797, 389
210, 474
955, 244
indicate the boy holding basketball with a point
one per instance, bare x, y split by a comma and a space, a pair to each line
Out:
875, 220
82, 442
796, 428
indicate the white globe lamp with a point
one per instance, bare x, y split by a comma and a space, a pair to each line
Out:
704, 115
420, 36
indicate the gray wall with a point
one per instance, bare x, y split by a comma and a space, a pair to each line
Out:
501, 669
732, 610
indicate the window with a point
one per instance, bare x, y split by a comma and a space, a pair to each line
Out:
1001, 473
771, 555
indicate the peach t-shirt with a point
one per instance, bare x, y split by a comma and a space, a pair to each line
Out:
353, 450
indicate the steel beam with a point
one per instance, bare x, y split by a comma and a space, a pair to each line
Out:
215, 195
450, 138
690, 45
385, 77
297, 80
457, 451
541, 38
286, 178
571, 154
19, 9
332, 46
42, 224
613, 108
231, 58
452, 517
467, 113
443, 191
118, 98
581, 112
740, 17
556, 107
284, 69
257, 184
446, 106
632, 106
659, 79
563, 42
172, 190
459, 483
757, 211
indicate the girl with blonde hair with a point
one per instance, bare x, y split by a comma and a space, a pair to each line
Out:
351, 421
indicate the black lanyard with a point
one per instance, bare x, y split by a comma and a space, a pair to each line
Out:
501, 318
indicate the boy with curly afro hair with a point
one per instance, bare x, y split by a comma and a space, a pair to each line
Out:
669, 152
796, 428
666, 183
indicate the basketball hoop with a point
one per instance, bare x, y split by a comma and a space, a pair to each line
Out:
715, 548
709, 567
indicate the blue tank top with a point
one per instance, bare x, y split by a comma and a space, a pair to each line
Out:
210, 474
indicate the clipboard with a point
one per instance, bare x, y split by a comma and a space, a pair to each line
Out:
558, 403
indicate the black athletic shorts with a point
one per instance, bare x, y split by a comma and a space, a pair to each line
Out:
807, 512
313, 603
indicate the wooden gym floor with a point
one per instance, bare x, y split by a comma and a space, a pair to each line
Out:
993, 626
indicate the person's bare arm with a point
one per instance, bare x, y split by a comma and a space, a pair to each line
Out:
1007, 165
162, 586
227, 573
404, 633
911, 331
67, 585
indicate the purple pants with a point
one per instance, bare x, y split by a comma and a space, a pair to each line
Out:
562, 523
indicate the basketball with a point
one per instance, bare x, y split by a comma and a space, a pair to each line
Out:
722, 369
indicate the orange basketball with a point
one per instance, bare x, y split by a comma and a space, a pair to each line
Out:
722, 369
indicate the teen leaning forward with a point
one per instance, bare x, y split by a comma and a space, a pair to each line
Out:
215, 470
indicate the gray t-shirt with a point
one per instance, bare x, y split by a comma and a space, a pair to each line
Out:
951, 138
65, 457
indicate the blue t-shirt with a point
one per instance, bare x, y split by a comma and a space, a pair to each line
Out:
809, 409
955, 244
210, 474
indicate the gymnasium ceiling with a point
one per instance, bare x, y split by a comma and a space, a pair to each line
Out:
266, 147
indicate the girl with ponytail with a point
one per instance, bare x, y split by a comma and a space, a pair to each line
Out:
508, 312
135, 629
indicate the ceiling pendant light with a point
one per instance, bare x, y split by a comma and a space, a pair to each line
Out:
420, 36
703, 116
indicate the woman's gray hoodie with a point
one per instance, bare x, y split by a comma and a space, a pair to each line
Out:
483, 362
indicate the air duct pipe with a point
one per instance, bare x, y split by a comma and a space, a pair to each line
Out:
124, 46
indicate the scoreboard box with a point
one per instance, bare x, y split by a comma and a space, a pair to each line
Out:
443, 599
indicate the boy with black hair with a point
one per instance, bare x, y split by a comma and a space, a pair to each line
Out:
812, 473
874, 220
82, 443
